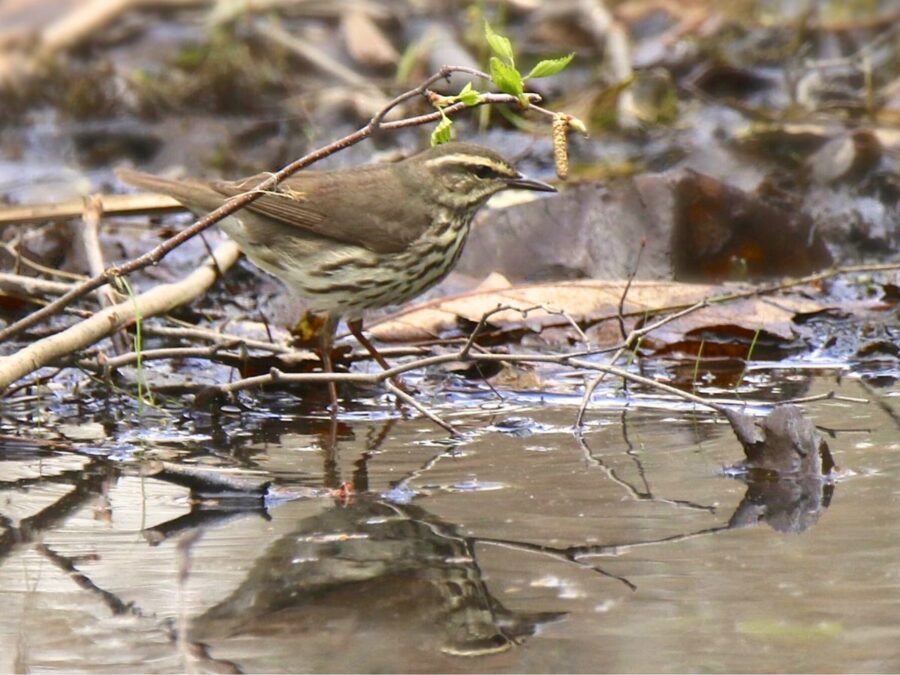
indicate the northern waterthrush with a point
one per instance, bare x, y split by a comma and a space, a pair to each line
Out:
362, 238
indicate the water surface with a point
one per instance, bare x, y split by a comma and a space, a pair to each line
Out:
523, 548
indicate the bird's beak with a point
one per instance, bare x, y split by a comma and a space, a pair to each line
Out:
520, 182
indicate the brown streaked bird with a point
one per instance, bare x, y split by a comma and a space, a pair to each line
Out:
356, 239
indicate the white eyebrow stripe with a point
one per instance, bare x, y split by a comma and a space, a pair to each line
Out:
460, 158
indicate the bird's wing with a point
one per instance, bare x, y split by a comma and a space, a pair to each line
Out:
385, 221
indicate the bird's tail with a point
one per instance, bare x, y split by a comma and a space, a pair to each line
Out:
194, 194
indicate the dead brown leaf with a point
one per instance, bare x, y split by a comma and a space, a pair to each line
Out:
590, 302
722, 233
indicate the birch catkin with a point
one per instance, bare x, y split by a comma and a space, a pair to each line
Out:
561, 144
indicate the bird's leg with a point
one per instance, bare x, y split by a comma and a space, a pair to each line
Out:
401, 391
326, 338
355, 326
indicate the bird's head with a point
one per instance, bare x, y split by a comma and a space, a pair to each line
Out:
464, 176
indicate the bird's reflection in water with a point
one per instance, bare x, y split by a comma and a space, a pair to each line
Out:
365, 570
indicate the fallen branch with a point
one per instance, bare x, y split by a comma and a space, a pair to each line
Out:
158, 300
110, 205
89, 232
208, 335
18, 284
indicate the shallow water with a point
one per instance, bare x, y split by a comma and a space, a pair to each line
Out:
523, 548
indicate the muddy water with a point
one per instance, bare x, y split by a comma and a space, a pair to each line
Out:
523, 548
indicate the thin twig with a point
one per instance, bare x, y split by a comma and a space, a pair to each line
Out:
828, 396
90, 239
634, 270
273, 32
207, 335
635, 334
409, 400
16, 252
89, 230
111, 205
122, 360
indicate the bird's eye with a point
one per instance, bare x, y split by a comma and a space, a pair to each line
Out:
484, 171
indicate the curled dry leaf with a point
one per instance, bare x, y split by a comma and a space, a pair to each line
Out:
724, 233
785, 443
787, 470
592, 301
774, 317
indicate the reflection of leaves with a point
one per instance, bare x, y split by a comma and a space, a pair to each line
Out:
550, 67
791, 505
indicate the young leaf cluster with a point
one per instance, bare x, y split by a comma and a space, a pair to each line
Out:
468, 96
505, 75
503, 69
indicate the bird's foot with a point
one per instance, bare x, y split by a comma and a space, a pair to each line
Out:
309, 330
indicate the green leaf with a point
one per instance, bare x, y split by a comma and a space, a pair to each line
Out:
469, 96
500, 45
506, 77
550, 66
441, 133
